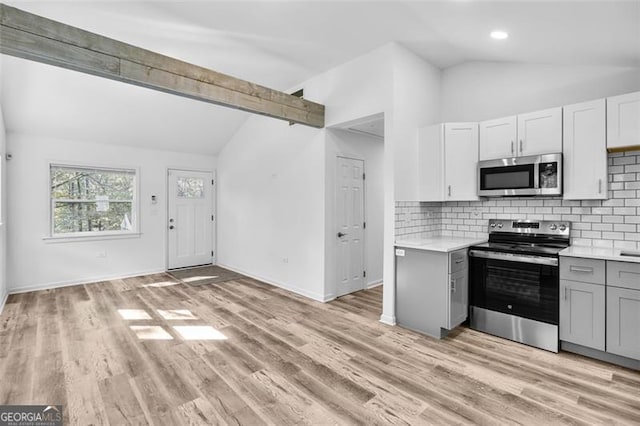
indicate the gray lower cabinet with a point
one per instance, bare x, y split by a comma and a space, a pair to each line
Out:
623, 309
623, 322
582, 313
431, 290
457, 305
600, 305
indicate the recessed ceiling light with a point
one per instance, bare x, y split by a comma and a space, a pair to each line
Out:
499, 35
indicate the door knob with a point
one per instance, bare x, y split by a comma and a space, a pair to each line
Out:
341, 234
171, 220
171, 227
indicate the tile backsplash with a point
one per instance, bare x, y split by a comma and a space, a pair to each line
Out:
614, 222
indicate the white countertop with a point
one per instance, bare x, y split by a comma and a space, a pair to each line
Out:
441, 244
600, 253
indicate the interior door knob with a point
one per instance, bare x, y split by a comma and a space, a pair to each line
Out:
341, 234
171, 227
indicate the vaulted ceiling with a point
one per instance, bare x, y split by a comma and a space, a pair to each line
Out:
279, 45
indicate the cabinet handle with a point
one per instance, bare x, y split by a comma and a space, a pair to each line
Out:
584, 269
511, 147
599, 186
449, 190
459, 261
453, 286
565, 293
520, 146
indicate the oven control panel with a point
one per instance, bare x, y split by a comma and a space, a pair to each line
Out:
526, 226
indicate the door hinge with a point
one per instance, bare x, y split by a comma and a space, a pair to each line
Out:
211, 253
363, 176
213, 182
364, 225
213, 218
364, 273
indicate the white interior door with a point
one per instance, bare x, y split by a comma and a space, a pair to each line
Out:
350, 221
190, 197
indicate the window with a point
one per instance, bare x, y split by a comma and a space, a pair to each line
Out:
92, 201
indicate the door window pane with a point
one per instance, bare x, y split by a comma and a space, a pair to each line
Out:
189, 187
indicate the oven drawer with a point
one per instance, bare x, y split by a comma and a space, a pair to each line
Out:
623, 274
458, 261
583, 270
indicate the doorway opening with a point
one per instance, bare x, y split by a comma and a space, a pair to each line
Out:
355, 226
190, 217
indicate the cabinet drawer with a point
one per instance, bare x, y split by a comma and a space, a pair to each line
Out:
458, 261
623, 274
584, 270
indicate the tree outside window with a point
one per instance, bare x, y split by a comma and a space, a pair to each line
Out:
92, 200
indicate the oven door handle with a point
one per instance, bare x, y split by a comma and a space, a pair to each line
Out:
538, 260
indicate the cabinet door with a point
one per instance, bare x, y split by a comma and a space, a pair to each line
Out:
498, 138
582, 314
623, 121
431, 163
461, 161
458, 298
540, 132
623, 322
585, 151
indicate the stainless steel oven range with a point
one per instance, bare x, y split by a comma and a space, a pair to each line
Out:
514, 281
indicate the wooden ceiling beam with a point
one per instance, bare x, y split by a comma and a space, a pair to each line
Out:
32, 37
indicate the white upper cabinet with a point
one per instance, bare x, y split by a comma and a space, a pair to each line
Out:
623, 121
533, 133
498, 138
448, 161
585, 151
540, 132
431, 163
461, 161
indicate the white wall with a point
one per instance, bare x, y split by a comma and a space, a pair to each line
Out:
371, 150
270, 204
34, 263
3, 215
269, 167
272, 189
477, 91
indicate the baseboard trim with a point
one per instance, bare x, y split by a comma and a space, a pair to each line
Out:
374, 284
4, 302
309, 294
388, 319
602, 356
90, 280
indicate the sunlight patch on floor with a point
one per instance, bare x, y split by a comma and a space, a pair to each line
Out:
200, 278
150, 332
177, 314
134, 314
199, 332
161, 284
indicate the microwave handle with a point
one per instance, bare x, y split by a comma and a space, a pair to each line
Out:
511, 147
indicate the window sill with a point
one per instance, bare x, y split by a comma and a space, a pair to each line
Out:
81, 238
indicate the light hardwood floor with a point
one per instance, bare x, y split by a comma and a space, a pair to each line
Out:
272, 357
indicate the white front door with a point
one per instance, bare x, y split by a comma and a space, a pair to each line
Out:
350, 229
190, 197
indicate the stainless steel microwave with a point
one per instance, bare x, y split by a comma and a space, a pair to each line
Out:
530, 175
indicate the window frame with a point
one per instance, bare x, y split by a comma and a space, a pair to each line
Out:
91, 235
